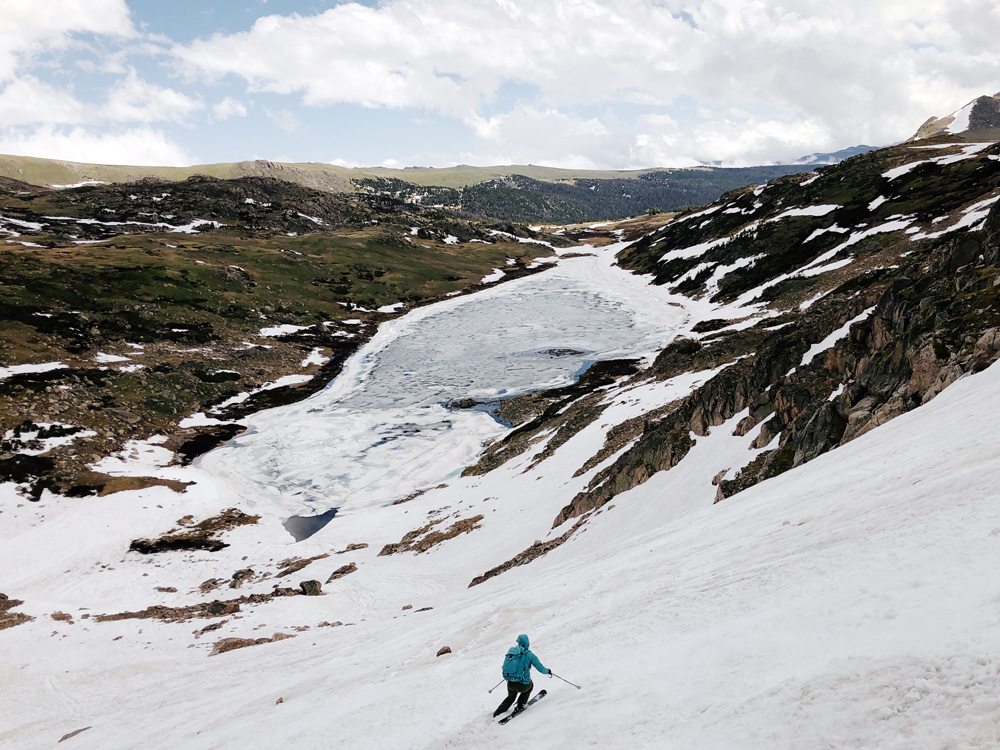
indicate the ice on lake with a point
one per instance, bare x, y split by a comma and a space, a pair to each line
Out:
381, 431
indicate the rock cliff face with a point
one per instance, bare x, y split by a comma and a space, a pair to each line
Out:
843, 299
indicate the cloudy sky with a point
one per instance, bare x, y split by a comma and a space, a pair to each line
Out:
572, 83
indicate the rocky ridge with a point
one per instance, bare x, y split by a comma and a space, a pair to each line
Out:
834, 302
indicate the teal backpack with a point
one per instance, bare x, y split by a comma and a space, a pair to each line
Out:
515, 665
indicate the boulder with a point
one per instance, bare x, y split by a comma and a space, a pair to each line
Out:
219, 608
311, 588
240, 577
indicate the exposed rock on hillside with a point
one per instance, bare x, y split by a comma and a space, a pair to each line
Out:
838, 301
422, 539
231, 644
204, 535
342, 571
9, 619
536, 550
532, 411
295, 564
214, 608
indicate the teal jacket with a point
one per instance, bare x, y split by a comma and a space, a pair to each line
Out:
526, 661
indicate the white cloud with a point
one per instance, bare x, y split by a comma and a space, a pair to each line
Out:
63, 124
605, 83
852, 71
531, 136
227, 108
30, 28
135, 100
27, 100
134, 146
750, 142
284, 119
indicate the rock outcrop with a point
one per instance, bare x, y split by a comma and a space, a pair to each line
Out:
880, 280
231, 644
9, 619
422, 539
204, 535
311, 588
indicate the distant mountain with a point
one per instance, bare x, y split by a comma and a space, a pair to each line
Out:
524, 193
977, 120
317, 175
587, 198
833, 157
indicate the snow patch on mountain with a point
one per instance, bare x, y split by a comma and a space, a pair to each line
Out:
960, 119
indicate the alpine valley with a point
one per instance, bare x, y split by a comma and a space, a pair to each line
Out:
291, 466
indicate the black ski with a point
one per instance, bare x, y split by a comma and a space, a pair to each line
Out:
516, 711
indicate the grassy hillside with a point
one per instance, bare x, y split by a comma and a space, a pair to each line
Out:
525, 193
49, 172
153, 301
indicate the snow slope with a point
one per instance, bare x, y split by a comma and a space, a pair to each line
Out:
848, 603
851, 602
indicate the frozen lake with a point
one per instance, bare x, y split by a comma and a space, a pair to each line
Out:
380, 431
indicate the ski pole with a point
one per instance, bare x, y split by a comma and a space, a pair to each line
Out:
565, 680
496, 686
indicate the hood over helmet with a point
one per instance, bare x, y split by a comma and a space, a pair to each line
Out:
522, 641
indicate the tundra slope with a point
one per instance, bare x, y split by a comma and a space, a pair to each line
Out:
126, 308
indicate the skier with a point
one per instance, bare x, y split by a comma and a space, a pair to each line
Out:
517, 671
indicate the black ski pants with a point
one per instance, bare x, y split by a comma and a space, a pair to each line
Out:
519, 690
